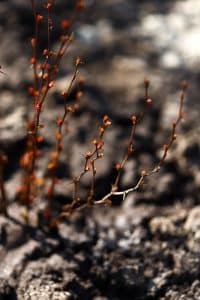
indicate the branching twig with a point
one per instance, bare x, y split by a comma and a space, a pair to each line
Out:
156, 169
130, 148
68, 111
89, 166
45, 74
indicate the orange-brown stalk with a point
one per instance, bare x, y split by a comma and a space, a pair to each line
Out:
61, 121
130, 148
45, 74
156, 169
89, 166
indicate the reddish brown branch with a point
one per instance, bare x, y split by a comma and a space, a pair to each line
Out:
130, 148
89, 166
61, 121
43, 82
156, 169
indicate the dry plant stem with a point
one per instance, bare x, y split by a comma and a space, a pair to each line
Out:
42, 84
130, 147
61, 121
49, 22
89, 165
35, 44
3, 199
156, 169
130, 150
92, 185
175, 123
124, 193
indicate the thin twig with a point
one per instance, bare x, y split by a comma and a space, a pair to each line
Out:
156, 169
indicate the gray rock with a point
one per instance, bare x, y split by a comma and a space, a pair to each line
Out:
162, 225
192, 223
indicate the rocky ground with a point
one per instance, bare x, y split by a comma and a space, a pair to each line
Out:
148, 246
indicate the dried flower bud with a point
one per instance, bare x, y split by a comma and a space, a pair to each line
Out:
39, 181
31, 90
69, 109
33, 42
78, 60
37, 105
59, 121
143, 173
101, 130
106, 121
49, 5
45, 52
39, 18
88, 154
118, 166
100, 144
51, 165
134, 119
51, 84
40, 139
79, 94
94, 142
86, 168
65, 23
149, 101
105, 118
130, 149
32, 60
24, 161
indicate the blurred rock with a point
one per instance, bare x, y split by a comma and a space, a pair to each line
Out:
192, 223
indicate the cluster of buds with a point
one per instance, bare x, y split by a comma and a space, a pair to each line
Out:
106, 123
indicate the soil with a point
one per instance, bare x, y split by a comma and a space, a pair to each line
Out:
148, 245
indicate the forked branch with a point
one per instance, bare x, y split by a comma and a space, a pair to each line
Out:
156, 169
